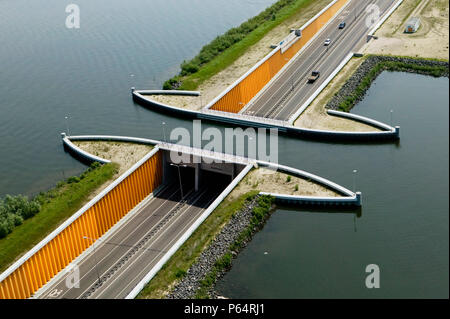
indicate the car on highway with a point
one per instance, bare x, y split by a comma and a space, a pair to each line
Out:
342, 25
314, 76
327, 42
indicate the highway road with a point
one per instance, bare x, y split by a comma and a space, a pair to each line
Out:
116, 265
289, 90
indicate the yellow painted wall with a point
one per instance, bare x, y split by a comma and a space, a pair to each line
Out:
244, 91
93, 223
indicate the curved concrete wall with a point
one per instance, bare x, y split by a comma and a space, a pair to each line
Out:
278, 167
363, 119
248, 121
97, 217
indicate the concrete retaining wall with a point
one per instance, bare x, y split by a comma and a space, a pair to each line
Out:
316, 200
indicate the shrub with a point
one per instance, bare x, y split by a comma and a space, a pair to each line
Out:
73, 179
180, 273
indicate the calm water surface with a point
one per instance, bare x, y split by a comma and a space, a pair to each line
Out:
49, 72
403, 224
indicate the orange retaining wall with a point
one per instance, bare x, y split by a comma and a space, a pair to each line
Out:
245, 90
93, 223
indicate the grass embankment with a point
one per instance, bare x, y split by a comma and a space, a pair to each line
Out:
56, 206
182, 260
393, 66
260, 213
227, 48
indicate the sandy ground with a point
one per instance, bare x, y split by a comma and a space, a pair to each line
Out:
315, 115
124, 154
185, 102
265, 180
218, 83
430, 41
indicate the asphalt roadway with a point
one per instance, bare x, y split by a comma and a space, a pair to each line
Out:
116, 265
290, 90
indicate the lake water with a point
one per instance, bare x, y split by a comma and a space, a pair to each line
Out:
403, 223
49, 72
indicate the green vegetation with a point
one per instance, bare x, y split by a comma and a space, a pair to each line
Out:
227, 48
182, 260
14, 210
260, 213
288, 178
398, 66
46, 211
296, 187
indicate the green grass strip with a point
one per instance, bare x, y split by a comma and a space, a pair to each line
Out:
182, 260
260, 214
57, 205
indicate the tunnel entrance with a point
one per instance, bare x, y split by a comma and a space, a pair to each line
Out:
197, 174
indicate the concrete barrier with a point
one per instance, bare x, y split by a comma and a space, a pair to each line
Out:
168, 92
320, 89
228, 158
90, 157
383, 19
364, 120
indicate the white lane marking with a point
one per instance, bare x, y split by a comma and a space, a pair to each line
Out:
131, 234
333, 49
187, 225
319, 36
117, 231
168, 227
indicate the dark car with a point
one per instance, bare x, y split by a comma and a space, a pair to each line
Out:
342, 25
314, 76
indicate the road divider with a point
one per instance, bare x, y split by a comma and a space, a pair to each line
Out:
320, 89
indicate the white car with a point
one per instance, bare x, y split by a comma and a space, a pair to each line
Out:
327, 42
